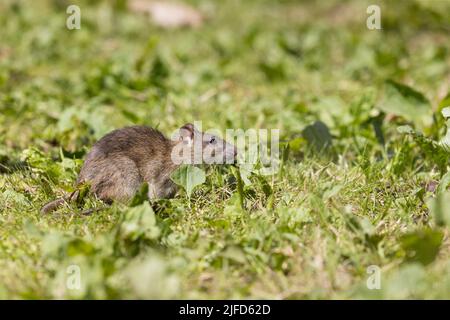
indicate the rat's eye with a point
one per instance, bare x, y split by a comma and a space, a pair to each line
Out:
213, 140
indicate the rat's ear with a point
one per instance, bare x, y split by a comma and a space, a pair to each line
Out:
187, 132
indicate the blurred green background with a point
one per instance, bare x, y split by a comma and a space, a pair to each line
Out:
354, 190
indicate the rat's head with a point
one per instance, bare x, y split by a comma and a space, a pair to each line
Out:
201, 147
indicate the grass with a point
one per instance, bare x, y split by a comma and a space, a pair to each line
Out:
354, 191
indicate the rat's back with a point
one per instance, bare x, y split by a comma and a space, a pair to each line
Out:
115, 167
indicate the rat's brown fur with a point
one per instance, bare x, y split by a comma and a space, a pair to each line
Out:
123, 159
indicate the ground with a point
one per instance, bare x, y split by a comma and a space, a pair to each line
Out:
358, 209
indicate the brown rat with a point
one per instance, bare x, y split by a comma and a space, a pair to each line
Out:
122, 160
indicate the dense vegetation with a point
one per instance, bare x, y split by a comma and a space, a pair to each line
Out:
364, 136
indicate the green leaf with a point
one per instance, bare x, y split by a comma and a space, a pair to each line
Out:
405, 129
141, 196
445, 141
318, 135
440, 208
274, 71
159, 72
405, 282
240, 187
235, 253
139, 222
131, 116
422, 245
296, 144
406, 102
13, 197
188, 177
444, 183
151, 278
245, 171
446, 113
83, 191
436, 151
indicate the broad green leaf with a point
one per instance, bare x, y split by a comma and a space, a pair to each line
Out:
330, 109
141, 196
446, 113
95, 118
405, 282
274, 71
444, 183
188, 177
235, 254
422, 245
406, 102
440, 208
139, 221
83, 191
151, 278
445, 141
332, 192
318, 135
245, 170
159, 72
405, 129
445, 103
12, 197
41, 163
296, 144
